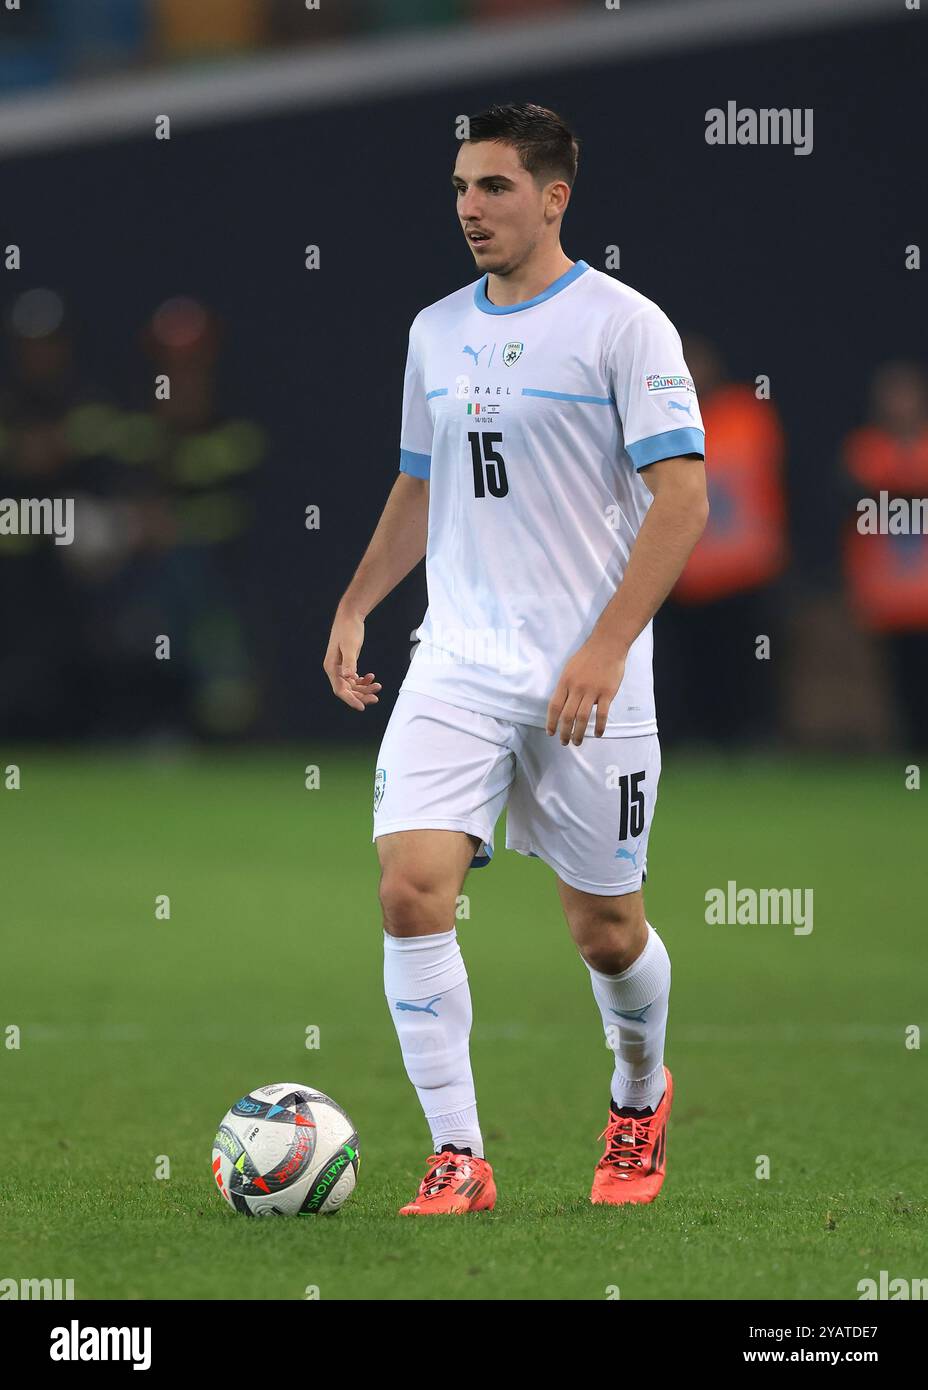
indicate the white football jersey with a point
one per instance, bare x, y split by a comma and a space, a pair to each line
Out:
531, 422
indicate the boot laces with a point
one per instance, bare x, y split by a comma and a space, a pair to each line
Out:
626, 1142
439, 1177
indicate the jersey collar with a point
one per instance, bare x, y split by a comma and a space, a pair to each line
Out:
561, 283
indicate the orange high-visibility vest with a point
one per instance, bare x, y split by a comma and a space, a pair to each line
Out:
887, 575
744, 545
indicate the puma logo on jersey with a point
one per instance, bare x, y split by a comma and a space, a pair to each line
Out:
474, 352
684, 409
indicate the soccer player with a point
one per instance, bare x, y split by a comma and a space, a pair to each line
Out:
551, 473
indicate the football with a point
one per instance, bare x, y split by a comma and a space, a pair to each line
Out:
286, 1150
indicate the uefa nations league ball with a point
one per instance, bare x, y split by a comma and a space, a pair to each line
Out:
286, 1150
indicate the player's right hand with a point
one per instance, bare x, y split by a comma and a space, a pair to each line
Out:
341, 663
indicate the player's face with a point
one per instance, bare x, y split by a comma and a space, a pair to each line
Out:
500, 206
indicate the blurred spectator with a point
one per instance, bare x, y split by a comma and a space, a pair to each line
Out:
203, 460
887, 575
160, 507
710, 683
42, 456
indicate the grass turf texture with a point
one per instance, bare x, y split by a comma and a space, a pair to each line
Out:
137, 1035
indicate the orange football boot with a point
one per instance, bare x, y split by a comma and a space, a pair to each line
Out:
632, 1168
453, 1184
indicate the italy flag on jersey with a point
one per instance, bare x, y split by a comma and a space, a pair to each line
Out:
532, 423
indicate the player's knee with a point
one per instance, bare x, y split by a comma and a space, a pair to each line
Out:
610, 936
412, 905
608, 956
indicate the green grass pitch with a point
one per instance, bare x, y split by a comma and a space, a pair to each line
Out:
137, 1035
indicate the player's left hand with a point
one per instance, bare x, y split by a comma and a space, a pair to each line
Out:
591, 677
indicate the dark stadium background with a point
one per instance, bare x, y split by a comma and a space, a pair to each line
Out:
793, 265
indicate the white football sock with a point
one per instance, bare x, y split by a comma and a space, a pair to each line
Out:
426, 987
634, 1008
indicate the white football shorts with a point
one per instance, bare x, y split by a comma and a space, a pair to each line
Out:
585, 811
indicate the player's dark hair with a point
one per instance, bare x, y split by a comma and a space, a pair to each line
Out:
546, 147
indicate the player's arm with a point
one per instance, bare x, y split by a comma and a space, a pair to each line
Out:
673, 524
396, 547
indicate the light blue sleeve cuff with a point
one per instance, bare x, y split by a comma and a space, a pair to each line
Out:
668, 445
419, 465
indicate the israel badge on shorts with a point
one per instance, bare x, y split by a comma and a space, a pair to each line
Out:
380, 781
